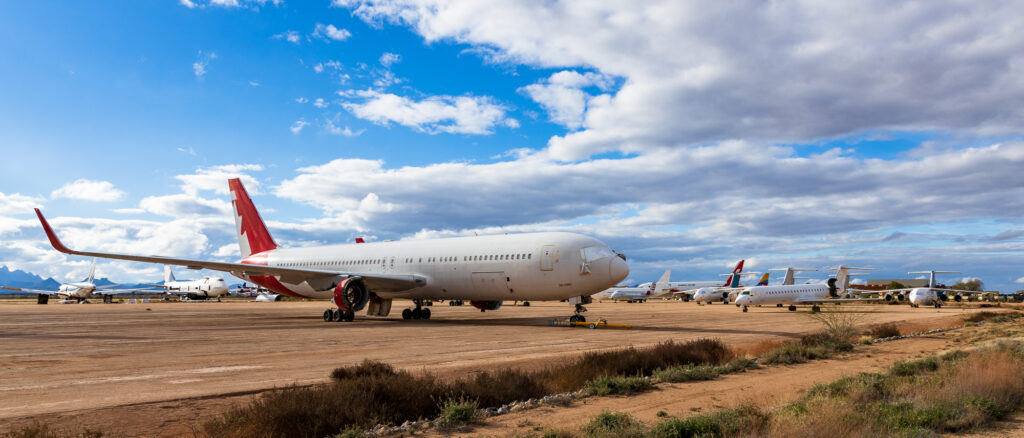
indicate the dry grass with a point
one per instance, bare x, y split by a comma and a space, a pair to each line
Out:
758, 349
886, 330
374, 393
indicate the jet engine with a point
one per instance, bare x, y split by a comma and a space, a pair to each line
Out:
486, 305
353, 291
958, 298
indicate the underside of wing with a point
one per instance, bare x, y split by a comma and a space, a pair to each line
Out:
35, 291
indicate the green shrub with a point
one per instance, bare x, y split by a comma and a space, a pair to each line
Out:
747, 419
607, 385
609, 424
686, 373
793, 353
456, 413
914, 367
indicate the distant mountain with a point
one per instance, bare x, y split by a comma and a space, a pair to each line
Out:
28, 280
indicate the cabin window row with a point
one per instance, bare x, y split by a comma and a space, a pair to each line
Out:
476, 258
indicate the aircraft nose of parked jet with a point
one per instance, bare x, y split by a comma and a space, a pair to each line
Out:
618, 270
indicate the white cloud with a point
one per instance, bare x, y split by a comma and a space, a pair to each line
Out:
215, 178
291, 36
329, 32
301, 100
331, 128
87, 190
16, 203
319, 103
1019, 280
187, 4
562, 96
333, 65
697, 73
185, 205
387, 59
434, 114
202, 61
129, 210
249, 4
254, 84
297, 126
189, 150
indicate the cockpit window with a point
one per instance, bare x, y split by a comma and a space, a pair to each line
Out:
592, 253
746, 292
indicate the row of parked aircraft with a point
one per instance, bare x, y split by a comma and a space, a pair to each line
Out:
484, 270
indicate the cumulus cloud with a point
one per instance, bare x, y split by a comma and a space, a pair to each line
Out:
387, 59
562, 95
297, 126
320, 103
215, 178
202, 61
799, 71
433, 114
16, 203
346, 131
1019, 280
87, 190
329, 32
291, 36
184, 205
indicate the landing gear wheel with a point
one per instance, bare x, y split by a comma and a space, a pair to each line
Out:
938, 305
338, 315
526, 304
778, 305
348, 315
792, 308
815, 309
425, 314
407, 314
416, 313
744, 309
328, 315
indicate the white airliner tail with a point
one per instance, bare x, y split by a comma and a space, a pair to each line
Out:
662, 284
92, 271
168, 274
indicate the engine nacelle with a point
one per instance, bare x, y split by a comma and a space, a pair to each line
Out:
958, 298
888, 298
942, 296
486, 305
351, 294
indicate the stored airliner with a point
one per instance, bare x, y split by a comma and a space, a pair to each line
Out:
934, 295
639, 293
813, 294
201, 289
77, 292
484, 270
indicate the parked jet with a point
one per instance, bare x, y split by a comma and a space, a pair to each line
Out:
934, 295
789, 277
812, 294
639, 293
689, 289
77, 292
725, 292
206, 287
484, 270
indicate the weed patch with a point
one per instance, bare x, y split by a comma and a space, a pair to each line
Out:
456, 413
608, 385
609, 424
887, 330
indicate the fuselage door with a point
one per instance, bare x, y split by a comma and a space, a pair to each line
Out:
547, 257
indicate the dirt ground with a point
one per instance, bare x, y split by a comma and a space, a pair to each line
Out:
160, 369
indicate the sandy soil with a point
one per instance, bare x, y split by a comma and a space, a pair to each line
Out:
160, 369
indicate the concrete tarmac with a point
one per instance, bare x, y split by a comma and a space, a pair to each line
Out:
78, 357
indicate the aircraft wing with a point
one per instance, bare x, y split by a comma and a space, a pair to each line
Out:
836, 300
386, 282
35, 291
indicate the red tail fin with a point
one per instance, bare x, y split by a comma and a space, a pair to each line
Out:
253, 236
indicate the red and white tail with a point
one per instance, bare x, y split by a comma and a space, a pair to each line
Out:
734, 279
253, 236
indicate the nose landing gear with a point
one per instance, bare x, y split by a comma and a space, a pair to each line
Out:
577, 317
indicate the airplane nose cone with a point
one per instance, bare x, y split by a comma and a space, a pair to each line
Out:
618, 270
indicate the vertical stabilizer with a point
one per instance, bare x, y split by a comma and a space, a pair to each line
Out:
168, 274
661, 284
92, 271
734, 279
253, 236
764, 280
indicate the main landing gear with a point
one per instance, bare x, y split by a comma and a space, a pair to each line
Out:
938, 304
792, 308
418, 313
744, 308
577, 317
332, 315
815, 309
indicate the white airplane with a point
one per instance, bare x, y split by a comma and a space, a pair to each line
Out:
206, 287
813, 294
721, 294
688, 289
484, 270
933, 295
77, 292
636, 294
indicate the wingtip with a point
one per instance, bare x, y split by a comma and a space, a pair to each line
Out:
50, 234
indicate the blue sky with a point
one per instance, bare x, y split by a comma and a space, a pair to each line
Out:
684, 134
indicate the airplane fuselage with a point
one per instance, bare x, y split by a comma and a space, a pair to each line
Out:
210, 287
80, 290
532, 266
789, 294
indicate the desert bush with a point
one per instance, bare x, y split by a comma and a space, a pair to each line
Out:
839, 325
687, 373
609, 424
40, 430
747, 418
366, 368
608, 385
457, 412
793, 353
886, 330
914, 367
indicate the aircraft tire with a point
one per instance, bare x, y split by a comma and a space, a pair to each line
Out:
328, 315
792, 308
349, 315
339, 316
425, 314
744, 309
407, 314
417, 313
815, 309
